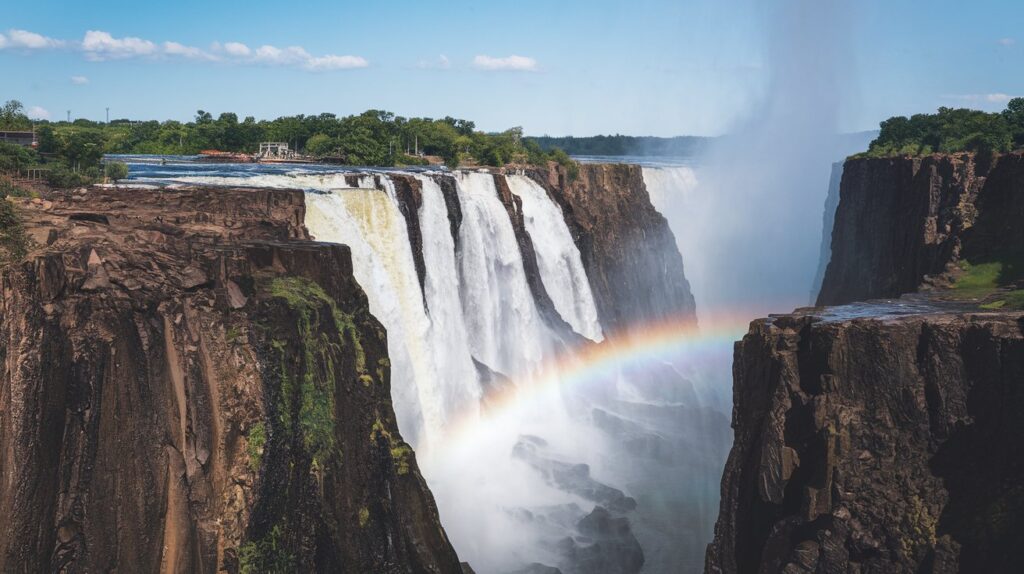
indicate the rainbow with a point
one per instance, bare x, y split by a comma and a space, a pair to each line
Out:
592, 362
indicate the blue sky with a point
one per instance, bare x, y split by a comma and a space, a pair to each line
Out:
646, 67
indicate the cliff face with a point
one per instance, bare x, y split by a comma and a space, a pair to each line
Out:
876, 445
902, 222
186, 388
628, 250
828, 220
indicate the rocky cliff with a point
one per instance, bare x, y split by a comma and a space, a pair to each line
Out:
885, 444
906, 222
190, 386
629, 251
885, 436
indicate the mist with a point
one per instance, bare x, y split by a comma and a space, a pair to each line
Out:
750, 225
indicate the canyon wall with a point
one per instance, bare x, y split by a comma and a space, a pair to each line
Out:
876, 445
628, 249
190, 385
903, 222
885, 437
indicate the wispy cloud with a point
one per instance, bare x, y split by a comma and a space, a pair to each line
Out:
190, 52
441, 63
79, 80
1006, 42
100, 46
995, 98
37, 113
25, 40
509, 63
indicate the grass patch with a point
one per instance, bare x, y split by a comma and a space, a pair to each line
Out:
981, 279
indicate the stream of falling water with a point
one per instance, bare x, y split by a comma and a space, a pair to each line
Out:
517, 454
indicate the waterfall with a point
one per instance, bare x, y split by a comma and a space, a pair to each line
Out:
447, 335
499, 437
369, 222
561, 269
508, 333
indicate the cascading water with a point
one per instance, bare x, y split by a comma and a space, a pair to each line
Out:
369, 222
508, 333
447, 335
516, 452
561, 269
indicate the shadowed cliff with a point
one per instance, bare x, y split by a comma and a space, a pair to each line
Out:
187, 388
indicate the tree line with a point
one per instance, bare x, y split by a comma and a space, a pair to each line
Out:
951, 130
373, 138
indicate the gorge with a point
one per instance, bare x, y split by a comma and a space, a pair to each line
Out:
549, 424
242, 369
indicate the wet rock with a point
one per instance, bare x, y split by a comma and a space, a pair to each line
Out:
605, 545
573, 478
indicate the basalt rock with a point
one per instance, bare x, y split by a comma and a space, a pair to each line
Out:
409, 192
904, 223
888, 444
629, 252
188, 388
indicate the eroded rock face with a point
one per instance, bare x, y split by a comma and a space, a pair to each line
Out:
904, 222
629, 252
186, 388
876, 445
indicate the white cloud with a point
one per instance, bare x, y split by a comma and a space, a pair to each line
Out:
99, 45
332, 62
1006, 42
37, 113
79, 80
298, 56
176, 49
237, 49
514, 63
25, 40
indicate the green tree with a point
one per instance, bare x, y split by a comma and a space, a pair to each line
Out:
320, 145
12, 116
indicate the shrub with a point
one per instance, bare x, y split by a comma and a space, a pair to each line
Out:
62, 177
115, 170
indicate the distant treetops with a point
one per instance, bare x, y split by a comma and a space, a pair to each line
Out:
951, 131
372, 138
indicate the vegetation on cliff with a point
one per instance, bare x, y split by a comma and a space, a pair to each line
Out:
13, 240
372, 138
71, 158
992, 280
951, 130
